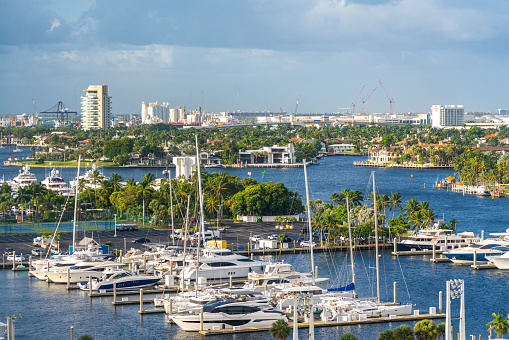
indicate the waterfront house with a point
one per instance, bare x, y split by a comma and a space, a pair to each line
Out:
269, 155
341, 148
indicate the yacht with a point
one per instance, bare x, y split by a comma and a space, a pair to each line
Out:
499, 261
443, 239
221, 264
82, 271
123, 279
488, 247
92, 178
24, 178
56, 183
281, 273
17, 149
225, 313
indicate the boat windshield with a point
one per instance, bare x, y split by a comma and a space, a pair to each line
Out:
212, 305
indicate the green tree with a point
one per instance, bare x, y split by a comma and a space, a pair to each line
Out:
388, 334
280, 329
404, 332
425, 330
441, 330
498, 324
86, 337
347, 336
144, 190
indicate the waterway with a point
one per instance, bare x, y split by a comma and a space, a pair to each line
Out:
50, 310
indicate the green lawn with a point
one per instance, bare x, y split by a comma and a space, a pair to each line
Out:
70, 164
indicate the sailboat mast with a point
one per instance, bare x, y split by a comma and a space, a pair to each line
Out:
171, 211
202, 231
376, 243
76, 206
351, 241
309, 223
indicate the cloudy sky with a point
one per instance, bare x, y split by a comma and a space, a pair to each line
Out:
255, 55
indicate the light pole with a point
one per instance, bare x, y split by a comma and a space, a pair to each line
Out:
115, 226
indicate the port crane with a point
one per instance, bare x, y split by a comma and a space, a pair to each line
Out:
61, 111
390, 100
353, 104
364, 100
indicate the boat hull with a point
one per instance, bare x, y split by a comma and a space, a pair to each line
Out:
211, 321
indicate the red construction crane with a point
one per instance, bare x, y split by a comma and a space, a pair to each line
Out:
364, 100
390, 100
353, 104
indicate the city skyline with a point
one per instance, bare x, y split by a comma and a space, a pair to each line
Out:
255, 56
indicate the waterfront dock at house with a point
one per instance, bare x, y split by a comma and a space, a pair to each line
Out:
429, 166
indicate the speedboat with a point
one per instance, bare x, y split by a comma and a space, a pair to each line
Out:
443, 239
225, 313
123, 279
221, 264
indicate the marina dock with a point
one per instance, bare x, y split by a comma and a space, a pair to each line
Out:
417, 317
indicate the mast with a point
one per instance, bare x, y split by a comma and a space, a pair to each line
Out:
171, 211
309, 223
202, 231
350, 243
376, 244
76, 206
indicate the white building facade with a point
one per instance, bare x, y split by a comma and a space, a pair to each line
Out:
153, 113
447, 115
95, 108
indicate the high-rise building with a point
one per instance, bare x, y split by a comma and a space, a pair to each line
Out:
153, 113
447, 115
95, 108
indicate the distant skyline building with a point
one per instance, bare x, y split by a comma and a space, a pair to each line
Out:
447, 115
153, 113
95, 108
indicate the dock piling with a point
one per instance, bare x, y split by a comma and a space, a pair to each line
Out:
114, 292
68, 278
440, 302
295, 319
395, 300
72, 332
475, 258
231, 281
141, 300
90, 286
201, 319
13, 260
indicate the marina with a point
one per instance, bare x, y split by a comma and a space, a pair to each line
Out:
117, 321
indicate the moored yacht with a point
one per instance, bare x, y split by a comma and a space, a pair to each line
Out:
488, 247
123, 279
92, 178
82, 271
443, 239
56, 183
24, 178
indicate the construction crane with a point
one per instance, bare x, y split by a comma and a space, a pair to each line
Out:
364, 100
353, 104
297, 106
390, 100
61, 111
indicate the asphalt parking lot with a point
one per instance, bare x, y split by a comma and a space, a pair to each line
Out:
235, 233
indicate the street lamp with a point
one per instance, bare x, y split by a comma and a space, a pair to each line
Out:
115, 226
10, 325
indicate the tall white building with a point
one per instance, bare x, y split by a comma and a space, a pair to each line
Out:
447, 115
95, 108
152, 113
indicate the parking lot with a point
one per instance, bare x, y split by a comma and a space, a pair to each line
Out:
235, 233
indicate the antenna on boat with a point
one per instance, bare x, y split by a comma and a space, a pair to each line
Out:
309, 222
76, 206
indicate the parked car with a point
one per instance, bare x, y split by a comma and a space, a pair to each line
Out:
273, 236
36, 252
141, 240
18, 258
8, 251
286, 239
305, 244
304, 231
255, 238
302, 238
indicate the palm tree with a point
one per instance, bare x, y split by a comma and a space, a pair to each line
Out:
395, 202
411, 207
388, 334
335, 198
425, 330
354, 197
144, 189
404, 332
347, 336
441, 330
115, 181
499, 325
452, 224
280, 329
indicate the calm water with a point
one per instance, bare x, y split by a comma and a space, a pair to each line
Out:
50, 310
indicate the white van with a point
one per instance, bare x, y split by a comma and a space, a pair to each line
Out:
209, 235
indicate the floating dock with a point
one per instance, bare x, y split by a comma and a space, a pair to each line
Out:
327, 324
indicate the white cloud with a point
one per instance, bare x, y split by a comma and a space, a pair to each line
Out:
54, 24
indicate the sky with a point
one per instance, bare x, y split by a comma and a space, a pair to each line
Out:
229, 55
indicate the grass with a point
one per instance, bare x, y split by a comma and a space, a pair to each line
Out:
69, 164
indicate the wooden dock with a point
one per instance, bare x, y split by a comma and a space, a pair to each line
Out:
415, 252
483, 266
299, 250
327, 324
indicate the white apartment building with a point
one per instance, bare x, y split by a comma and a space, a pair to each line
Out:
269, 155
95, 108
153, 113
447, 115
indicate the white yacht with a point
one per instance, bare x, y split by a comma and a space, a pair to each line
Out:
488, 247
123, 279
224, 313
17, 149
24, 178
282, 273
82, 271
56, 183
443, 239
92, 178
220, 264
499, 261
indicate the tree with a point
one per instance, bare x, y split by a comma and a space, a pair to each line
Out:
441, 330
347, 336
388, 334
144, 189
86, 337
498, 324
280, 329
425, 330
404, 332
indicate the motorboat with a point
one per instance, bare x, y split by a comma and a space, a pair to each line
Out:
282, 273
499, 261
225, 313
443, 239
488, 247
24, 178
91, 178
56, 183
17, 149
82, 271
123, 280
220, 264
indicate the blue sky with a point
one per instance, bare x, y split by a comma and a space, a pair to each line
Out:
255, 55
